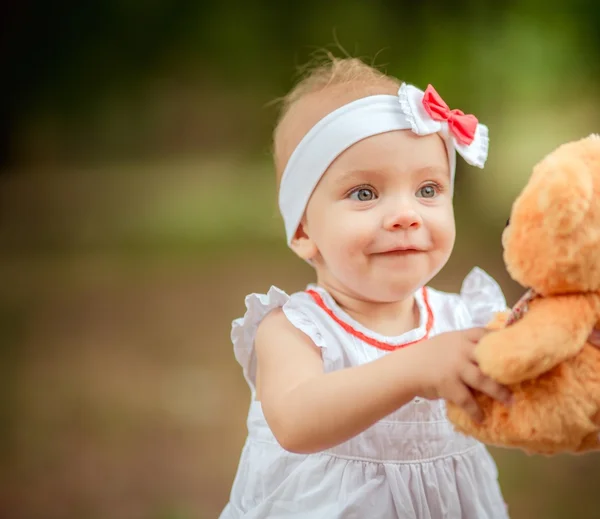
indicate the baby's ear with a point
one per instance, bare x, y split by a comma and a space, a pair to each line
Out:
565, 191
303, 245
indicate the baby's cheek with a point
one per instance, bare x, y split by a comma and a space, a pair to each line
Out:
445, 236
353, 234
337, 246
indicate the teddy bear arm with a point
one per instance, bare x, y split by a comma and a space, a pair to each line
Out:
553, 330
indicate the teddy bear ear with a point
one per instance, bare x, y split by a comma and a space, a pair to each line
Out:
567, 193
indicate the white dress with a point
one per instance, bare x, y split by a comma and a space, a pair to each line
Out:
411, 464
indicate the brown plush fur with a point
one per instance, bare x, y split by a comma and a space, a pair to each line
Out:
552, 245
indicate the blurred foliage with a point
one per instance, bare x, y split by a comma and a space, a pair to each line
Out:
135, 77
137, 209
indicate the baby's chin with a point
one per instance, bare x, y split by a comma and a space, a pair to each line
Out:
379, 283
397, 283
390, 290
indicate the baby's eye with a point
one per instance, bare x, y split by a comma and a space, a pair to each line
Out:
428, 191
363, 194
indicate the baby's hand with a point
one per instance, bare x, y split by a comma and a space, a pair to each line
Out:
449, 371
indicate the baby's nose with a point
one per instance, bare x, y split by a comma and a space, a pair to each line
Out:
405, 218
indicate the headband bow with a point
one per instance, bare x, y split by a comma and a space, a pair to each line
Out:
428, 113
461, 125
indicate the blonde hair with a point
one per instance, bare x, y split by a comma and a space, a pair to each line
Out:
347, 79
330, 71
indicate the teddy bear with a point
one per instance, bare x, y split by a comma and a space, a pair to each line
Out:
539, 350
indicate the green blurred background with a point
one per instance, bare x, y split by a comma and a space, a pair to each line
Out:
137, 210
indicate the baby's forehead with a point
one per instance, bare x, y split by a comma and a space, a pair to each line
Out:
309, 109
391, 155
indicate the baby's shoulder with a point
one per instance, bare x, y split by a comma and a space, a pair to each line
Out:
285, 312
261, 305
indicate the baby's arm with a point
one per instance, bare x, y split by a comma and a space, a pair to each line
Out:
308, 410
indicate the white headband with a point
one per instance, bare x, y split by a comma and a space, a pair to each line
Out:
412, 109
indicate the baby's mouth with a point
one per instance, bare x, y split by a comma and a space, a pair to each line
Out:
401, 251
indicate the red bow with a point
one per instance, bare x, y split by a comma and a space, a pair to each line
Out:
461, 125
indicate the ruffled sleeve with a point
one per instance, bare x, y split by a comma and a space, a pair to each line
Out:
243, 330
482, 296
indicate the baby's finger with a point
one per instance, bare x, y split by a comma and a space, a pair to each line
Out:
462, 397
476, 379
476, 334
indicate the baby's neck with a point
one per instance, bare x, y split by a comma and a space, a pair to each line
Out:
386, 318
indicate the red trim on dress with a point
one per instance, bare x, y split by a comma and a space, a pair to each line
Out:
374, 342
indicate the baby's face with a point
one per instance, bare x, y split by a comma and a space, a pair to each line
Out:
381, 220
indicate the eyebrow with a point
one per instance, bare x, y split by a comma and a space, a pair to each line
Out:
433, 171
348, 176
